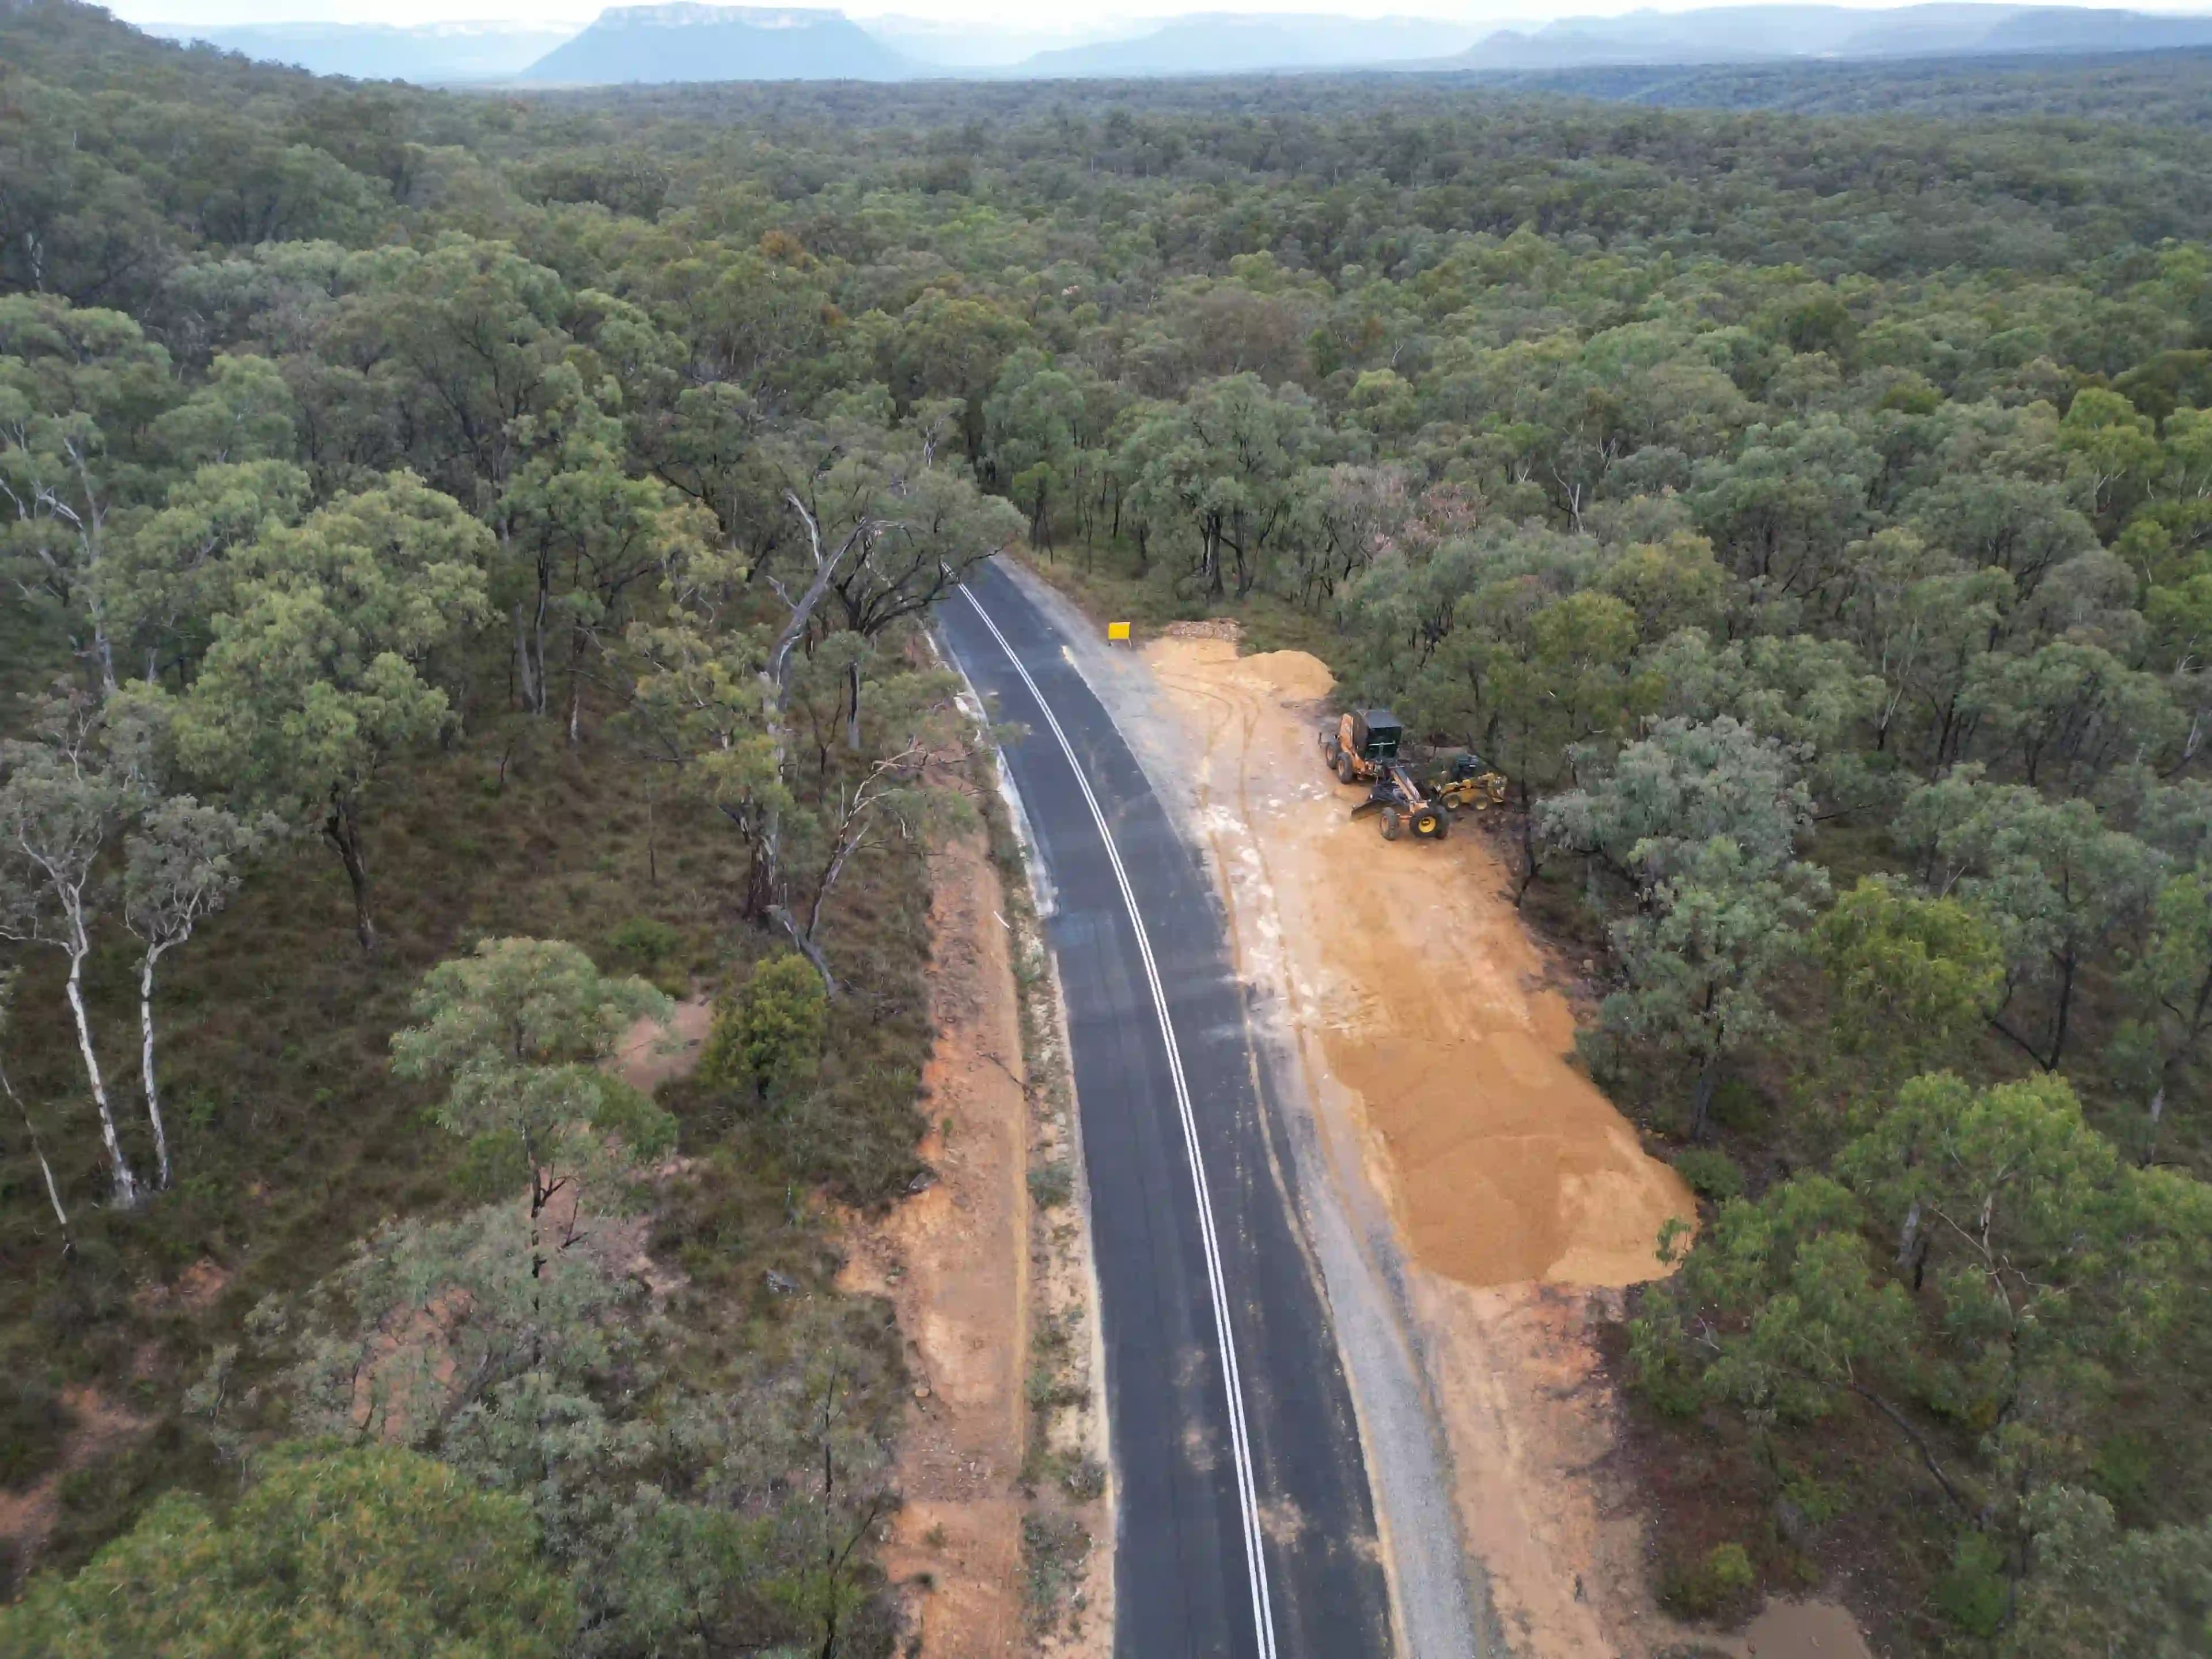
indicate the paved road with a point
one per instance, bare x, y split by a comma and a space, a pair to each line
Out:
1246, 1531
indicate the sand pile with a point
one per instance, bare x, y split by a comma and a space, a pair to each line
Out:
1502, 1162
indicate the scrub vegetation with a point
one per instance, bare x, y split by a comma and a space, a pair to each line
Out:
466, 561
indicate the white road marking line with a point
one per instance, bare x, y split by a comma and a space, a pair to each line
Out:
1240, 1445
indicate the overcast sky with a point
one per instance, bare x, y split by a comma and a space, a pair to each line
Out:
1073, 17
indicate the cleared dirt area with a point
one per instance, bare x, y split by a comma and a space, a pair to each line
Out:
1502, 1163
1434, 1038
651, 1053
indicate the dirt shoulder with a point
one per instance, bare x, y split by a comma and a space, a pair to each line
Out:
963, 1265
951, 1261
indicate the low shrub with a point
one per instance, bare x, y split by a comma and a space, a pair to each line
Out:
1711, 1174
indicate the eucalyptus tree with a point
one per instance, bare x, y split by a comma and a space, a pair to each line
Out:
78, 390
517, 1033
2057, 883
1231, 463
2056, 1267
364, 1550
1032, 419
1911, 979
171, 570
61, 806
1673, 792
182, 863
2168, 983
2071, 711
320, 674
1699, 962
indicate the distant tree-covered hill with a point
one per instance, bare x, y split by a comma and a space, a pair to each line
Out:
2165, 89
1231, 43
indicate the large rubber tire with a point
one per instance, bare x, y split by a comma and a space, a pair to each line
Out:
1331, 751
1430, 823
1344, 772
1390, 822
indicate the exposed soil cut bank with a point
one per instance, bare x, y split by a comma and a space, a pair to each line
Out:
954, 1260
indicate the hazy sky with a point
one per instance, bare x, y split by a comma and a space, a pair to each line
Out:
1085, 17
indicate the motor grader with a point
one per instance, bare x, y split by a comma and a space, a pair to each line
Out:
1363, 748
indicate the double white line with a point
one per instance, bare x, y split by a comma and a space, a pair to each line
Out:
1240, 1445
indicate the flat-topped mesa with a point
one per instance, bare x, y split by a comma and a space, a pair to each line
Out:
678, 14
685, 41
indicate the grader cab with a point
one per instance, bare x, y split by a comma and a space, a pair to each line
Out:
1363, 743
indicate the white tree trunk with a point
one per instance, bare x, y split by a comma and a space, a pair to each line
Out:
523, 671
775, 693
126, 1183
146, 1068
45, 1170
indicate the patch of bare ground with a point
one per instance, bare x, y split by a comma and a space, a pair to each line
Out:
27, 1515
965, 1264
1435, 1036
194, 1290
651, 1054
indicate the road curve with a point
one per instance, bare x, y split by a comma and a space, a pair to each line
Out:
1246, 1528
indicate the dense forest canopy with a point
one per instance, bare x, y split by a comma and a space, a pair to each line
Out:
1811, 516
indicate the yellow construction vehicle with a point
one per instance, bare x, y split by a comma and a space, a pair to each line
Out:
1470, 781
1363, 748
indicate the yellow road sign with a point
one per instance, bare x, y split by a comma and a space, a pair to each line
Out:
1117, 631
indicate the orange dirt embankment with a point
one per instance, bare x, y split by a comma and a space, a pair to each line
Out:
1502, 1163
954, 1262
1435, 1041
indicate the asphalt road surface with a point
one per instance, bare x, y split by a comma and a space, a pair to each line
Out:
1246, 1528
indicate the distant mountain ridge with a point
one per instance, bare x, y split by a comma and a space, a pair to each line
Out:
687, 41
1728, 34
382, 52
1235, 43
697, 42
